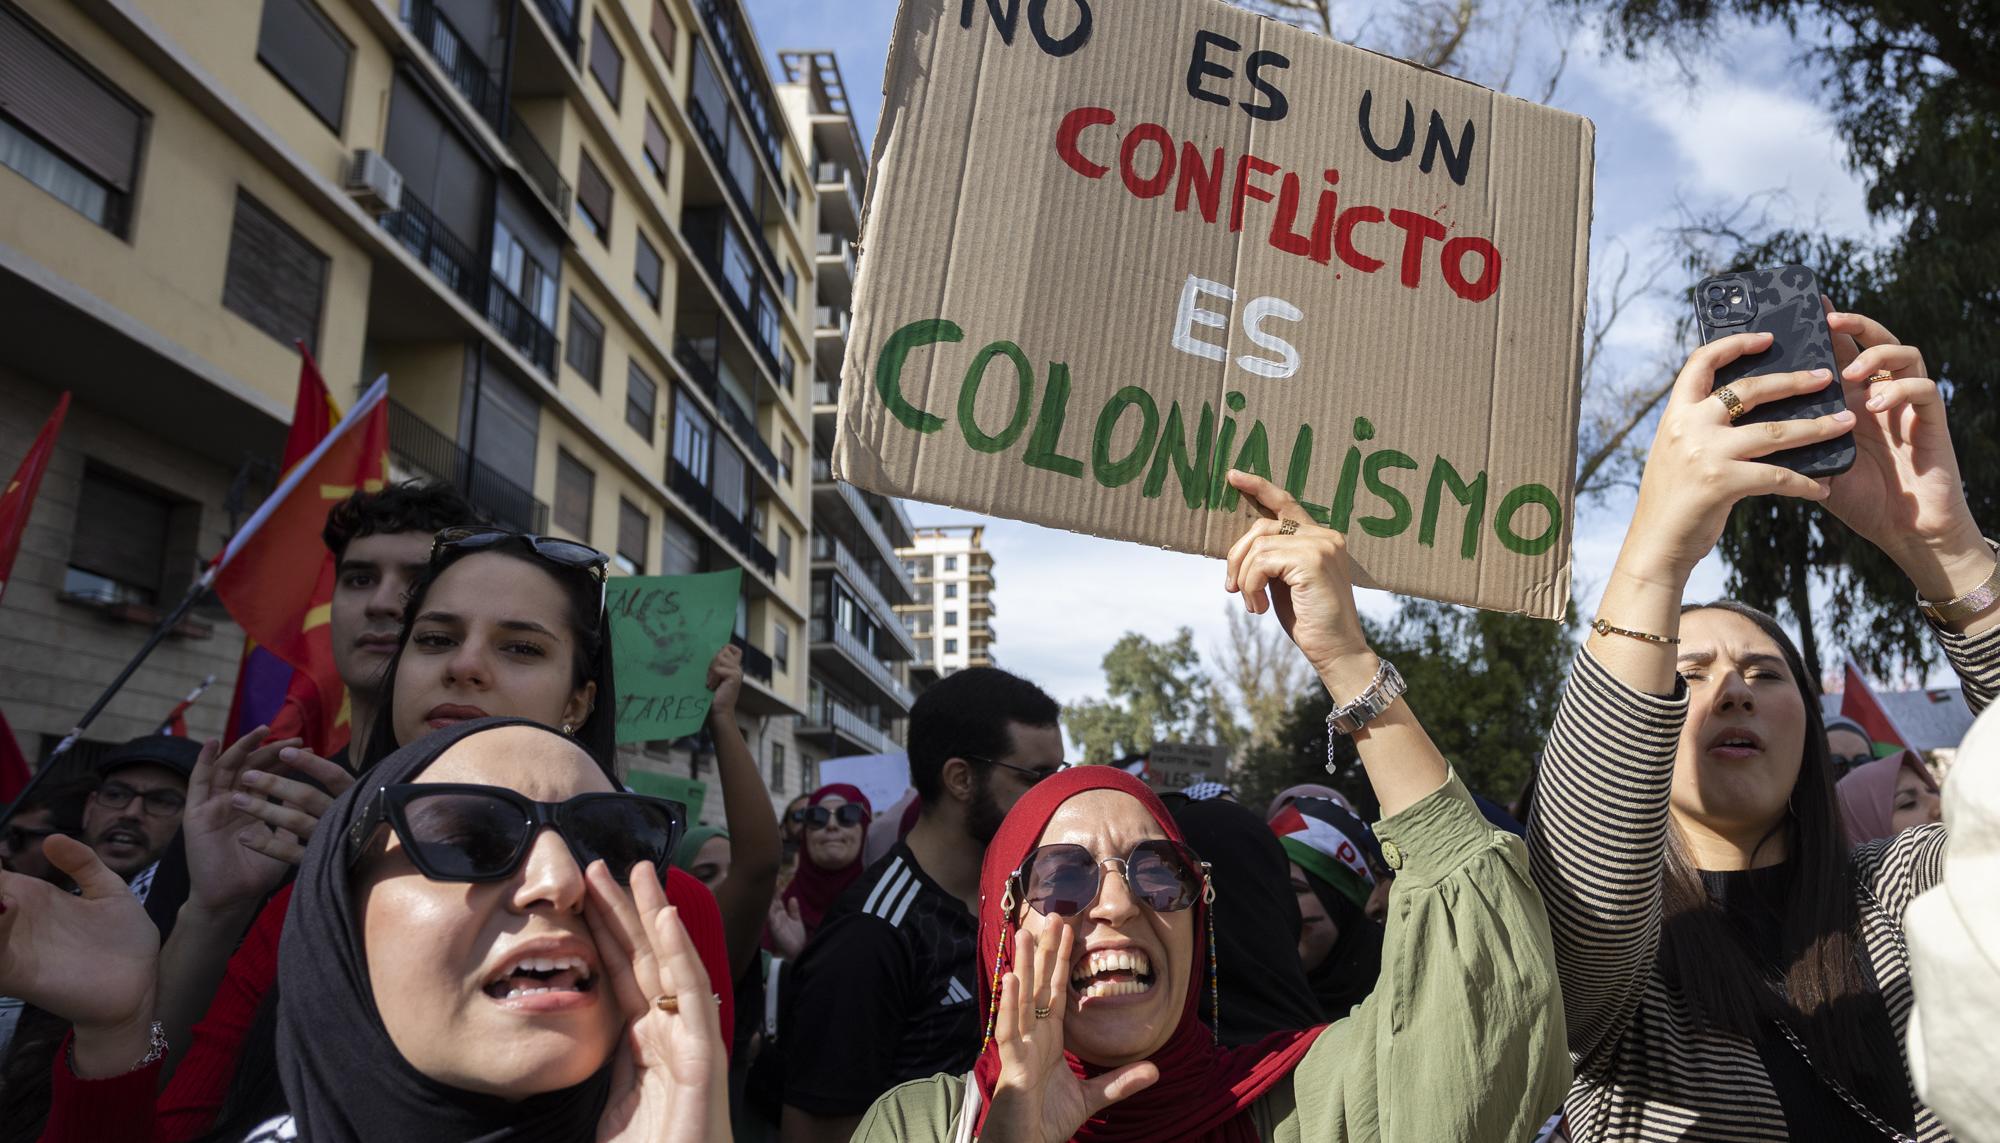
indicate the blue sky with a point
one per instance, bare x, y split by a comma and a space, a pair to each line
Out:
1741, 123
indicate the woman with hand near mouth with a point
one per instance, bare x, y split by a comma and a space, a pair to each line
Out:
1729, 969
478, 948
1095, 915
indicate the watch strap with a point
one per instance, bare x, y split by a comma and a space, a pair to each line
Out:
1380, 693
1953, 613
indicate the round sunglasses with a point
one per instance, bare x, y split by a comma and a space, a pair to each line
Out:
819, 817
1064, 879
460, 832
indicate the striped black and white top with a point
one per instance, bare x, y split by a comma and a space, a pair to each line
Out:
1644, 1071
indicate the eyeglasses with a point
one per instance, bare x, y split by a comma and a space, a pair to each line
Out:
560, 552
818, 817
483, 833
1842, 763
159, 803
1062, 880
1033, 774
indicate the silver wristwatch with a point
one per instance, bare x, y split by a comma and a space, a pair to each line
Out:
1384, 689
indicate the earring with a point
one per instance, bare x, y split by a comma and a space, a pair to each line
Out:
566, 729
999, 957
1214, 986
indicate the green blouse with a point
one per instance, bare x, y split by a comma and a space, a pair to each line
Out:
1462, 1038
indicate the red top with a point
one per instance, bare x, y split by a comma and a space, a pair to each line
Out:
123, 1107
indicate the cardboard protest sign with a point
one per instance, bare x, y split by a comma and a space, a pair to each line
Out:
690, 792
1113, 248
664, 631
1178, 765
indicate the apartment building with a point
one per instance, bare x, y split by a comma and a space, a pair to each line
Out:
859, 691
951, 617
574, 233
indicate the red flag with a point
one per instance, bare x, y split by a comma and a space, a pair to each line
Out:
268, 690
14, 772
19, 497
276, 577
1858, 702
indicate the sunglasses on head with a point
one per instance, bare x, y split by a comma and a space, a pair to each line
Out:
1063, 880
819, 817
456, 832
562, 553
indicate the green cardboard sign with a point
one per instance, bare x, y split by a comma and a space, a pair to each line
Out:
687, 791
664, 631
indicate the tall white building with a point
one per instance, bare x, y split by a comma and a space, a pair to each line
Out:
951, 619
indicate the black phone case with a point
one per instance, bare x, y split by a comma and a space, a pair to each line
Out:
1788, 308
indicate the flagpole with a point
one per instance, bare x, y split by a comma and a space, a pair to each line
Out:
166, 725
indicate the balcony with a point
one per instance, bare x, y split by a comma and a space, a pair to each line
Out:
524, 330
726, 32
537, 165
467, 72
735, 532
862, 662
756, 664
450, 260
561, 15
980, 601
760, 314
718, 149
830, 552
826, 394
839, 195
834, 256
828, 492
699, 358
431, 452
842, 729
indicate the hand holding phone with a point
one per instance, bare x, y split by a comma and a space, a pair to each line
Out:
1783, 301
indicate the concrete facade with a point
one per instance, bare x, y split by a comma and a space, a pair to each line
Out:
951, 618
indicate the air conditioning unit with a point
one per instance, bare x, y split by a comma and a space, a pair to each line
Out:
373, 183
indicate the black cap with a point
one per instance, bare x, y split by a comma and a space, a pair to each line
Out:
176, 754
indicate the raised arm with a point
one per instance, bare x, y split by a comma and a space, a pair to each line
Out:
754, 849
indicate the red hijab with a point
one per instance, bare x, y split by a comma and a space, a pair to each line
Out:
816, 889
1203, 1089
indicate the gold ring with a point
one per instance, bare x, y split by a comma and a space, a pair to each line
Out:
1877, 378
1287, 527
1730, 402
667, 1003
1041, 1013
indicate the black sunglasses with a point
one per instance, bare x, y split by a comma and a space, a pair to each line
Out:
818, 817
457, 832
1842, 763
1033, 775
560, 552
1063, 879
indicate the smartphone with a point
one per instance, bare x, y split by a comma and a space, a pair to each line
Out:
1784, 302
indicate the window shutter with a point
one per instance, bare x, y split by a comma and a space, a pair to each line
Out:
576, 487
275, 278
656, 143
646, 268
586, 343
632, 534
593, 192
641, 397
121, 531
298, 43
606, 62
46, 91
664, 32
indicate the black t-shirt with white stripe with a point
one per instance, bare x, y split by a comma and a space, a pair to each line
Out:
885, 993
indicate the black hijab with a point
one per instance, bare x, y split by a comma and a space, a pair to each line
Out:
344, 1080
1333, 848
1264, 990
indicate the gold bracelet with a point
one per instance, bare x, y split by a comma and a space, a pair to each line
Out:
1603, 628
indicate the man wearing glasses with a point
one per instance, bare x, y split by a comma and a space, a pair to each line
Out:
135, 810
887, 990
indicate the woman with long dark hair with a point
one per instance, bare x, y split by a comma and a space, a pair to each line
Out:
1730, 970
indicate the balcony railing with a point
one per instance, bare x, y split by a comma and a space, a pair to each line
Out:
704, 233
831, 320
863, 512
718, 149
734, 531
561, 15
456, 57
537, 165
826, 631
429, 450
727, 32
826, 392
832, 714
526, 331
454, 263
756, 664
828, 174
699, 360
834, 246
867, 579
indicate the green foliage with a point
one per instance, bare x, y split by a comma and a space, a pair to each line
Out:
1485, 685
1914, 87
1156, 692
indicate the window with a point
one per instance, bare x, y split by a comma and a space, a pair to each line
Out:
593, 198
118, 551
576, 488
531, 283
665, 34
777, 767
585, 350
680, 548
951, 619
308, 55
951, 646
607, 63
951, 563
632, 529
786, 457
656, 147
641, 398
951, 591
646, 271
790, 292
784, 552
781, 647
63, 129
694, 437
275, 278
793, 199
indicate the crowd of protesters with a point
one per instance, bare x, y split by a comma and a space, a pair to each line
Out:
465, 926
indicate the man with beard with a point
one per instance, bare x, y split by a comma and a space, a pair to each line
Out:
888, 989
135, 810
